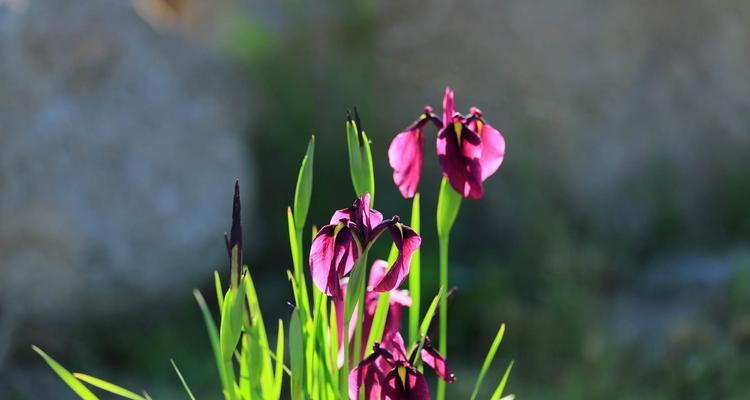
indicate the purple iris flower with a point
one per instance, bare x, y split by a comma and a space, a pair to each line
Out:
469, 150
338, 245
388, 374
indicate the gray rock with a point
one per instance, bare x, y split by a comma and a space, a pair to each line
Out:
119, 145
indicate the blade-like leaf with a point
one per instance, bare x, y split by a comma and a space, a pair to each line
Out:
378, 320
499, 391
415, 276
297, 356
355, 157
278, 378
219, 289
293, 245
213, 334
303, 190
355, 288
368, 173
182, 379
110, 387
488, 361
78, 387
430, 313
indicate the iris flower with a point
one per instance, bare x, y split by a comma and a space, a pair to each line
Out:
338, 245
397, 300
387, 372
469, 150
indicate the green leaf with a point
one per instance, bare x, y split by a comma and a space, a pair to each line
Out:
378, 320
430, 313
303, 190
415, 276
449, 203
278, 378
488, 361
78, 387
219, 290
182, 379
499, 391
297, 356
293, 245
110, 387
355, 288
368, 173
231, 320
213, 335
355, 157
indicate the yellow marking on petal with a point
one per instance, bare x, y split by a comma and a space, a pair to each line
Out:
402, 374
422, 117
479, 126
458, 127
337, 229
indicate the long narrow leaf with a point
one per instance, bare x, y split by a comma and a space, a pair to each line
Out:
488, 360
182, 379
303, 191
278, 378
499, 391
213, 335
297, 355
110, 387
415, 276
430, 313
78, 387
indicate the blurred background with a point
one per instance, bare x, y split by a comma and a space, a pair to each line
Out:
614, 241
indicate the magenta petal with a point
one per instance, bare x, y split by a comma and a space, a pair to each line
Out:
405, 155
449, 107
367, 376
463, 173
415, 387
431, 357
493, 150
345, 253
407, 241
394, 344
321, 260
377, 271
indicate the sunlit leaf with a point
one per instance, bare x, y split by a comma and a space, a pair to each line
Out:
303, 191
488, 360
110, 387
500, 387
78, 387
182, 379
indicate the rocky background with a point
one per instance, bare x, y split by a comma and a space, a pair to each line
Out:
614, 240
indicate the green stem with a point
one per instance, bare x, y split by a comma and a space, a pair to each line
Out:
443, 317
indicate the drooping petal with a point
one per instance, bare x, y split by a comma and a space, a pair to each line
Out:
345, 253
407, 241
434, 359
459, 150
366, 376
405, 155
493, 150
332, 255
405, 383
449, 107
